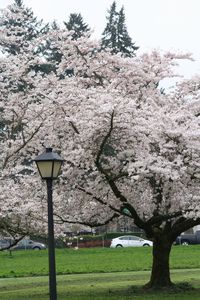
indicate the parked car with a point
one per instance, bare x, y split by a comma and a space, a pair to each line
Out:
130, 241
5, 243
25, 244
186, 239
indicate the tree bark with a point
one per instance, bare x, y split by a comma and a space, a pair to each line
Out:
160, 274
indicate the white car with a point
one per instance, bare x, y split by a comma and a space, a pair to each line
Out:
129, 241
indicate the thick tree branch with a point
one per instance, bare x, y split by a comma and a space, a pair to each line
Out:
111, 182
162, 218
183, 224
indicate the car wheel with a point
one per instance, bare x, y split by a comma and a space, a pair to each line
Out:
146, 245
36, 248
119, 246
185, 243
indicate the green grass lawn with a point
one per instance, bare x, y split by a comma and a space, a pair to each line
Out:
98, 286
93, 260
96, 274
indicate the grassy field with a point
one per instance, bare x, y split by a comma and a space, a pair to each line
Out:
96, 274
96, 260
99, 286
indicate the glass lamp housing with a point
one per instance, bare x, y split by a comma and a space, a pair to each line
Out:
49, 164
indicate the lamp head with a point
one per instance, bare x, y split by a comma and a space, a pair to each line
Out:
49, 164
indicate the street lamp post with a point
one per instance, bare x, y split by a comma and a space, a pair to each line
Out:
49, 165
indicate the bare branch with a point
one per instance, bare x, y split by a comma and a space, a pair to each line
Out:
22, 146
71, 123
91, 223
101, 201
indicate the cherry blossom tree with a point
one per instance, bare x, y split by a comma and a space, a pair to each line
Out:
20, 120
28, 117
129, 148
21, 117
132, 148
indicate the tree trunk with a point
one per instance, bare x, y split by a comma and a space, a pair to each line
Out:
160, 274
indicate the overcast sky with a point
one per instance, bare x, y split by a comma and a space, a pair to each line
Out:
163, 24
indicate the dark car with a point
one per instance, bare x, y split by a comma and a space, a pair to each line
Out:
26, 244
5, 243
188, 239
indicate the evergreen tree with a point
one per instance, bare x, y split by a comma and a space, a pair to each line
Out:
115, 34
49, 50
109, 38
76, 24
18, 27
19, 30
125, 44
